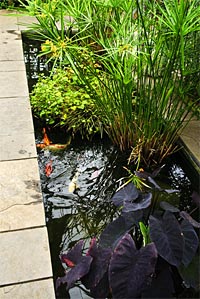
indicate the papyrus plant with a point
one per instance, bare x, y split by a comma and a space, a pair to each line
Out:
138, 51
143, 102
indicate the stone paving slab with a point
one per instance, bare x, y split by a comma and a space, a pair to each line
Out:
8, 20
7, 66
11, 46
10, 52
13, 84
42, 289
17, 146
23, 21
20, 110
22, 216
24, 256
10, 36
21, 204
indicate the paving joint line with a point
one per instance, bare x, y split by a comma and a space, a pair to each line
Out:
25, 281
23, 229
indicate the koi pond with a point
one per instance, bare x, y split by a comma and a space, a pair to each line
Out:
79, 183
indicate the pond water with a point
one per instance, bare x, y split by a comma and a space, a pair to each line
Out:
82, 210
84, 213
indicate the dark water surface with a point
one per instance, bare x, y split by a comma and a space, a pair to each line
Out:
83, 213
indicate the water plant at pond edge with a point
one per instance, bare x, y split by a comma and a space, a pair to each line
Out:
140, 48
62, 100
136, 253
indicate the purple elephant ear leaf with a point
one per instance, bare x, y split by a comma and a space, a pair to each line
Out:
102, 290
142, 174
196, 198
159, 288
73, 256
130, 269
76, 273
157, 171
167, 236
142, 202
129, 193
168, 207
191, 242
186, 216
152, 181
133, 217
145, 175
114, 232
101, 258
61, 291
190, 274
93, 247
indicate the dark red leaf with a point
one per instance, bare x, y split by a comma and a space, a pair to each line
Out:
76, 273
73, 256
69, 263
162, 285
101, 258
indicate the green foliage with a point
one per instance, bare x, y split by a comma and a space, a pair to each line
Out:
145, 233
146, 66
62, 100
4, 4
144, 97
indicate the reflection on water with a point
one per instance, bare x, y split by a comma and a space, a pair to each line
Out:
34, 65
86, 211
89, 205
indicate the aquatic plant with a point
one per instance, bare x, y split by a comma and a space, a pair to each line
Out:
140, 48
143, 102
136, 253
62, 100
